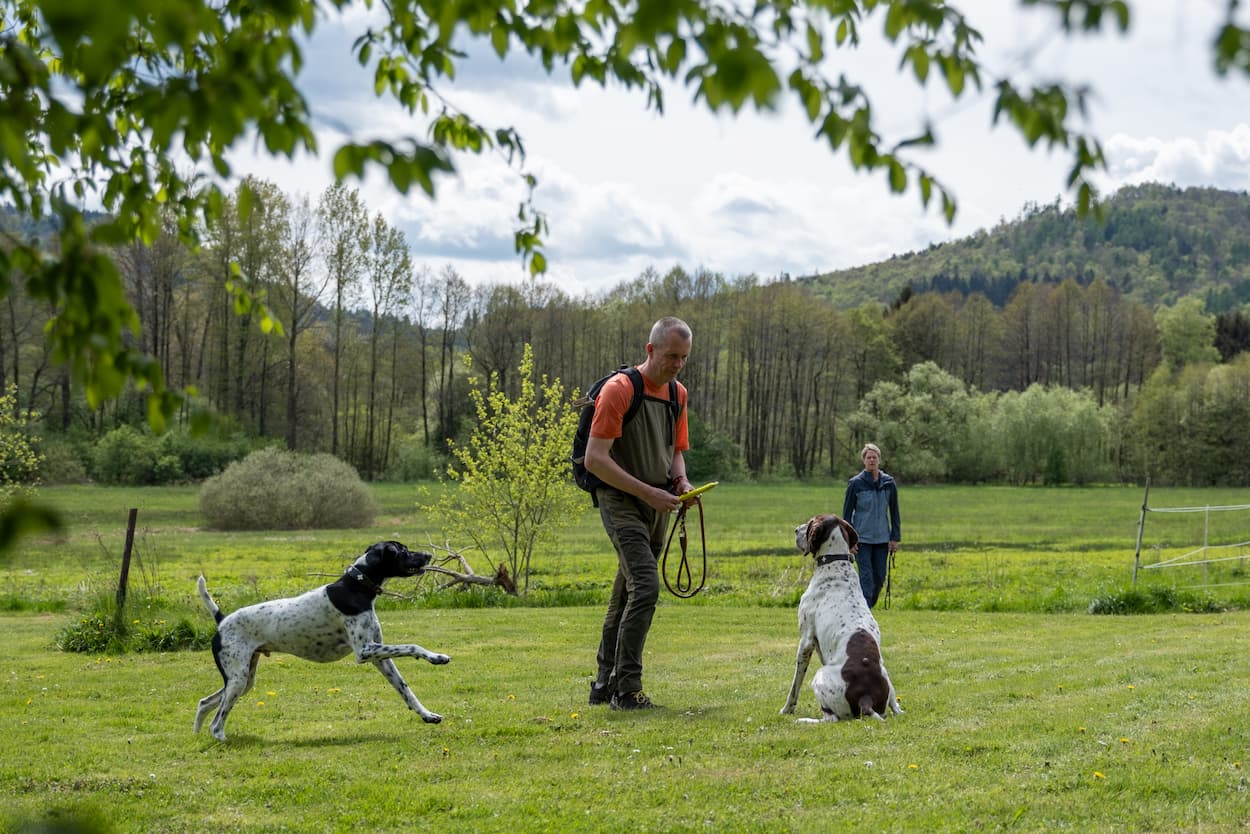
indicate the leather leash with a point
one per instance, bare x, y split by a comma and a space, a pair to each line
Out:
685, 587
889, 576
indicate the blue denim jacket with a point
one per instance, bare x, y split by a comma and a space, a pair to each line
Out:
872, 508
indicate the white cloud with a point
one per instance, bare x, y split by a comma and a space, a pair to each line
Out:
625, 189
1219, 157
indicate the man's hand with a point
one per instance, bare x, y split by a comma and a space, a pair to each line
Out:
661, 499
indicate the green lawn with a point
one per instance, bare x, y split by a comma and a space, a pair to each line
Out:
1022, 711
1025, 721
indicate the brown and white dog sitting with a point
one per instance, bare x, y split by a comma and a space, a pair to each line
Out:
835, 622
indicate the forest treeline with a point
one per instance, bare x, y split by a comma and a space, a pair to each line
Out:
1070, 374
1154, 244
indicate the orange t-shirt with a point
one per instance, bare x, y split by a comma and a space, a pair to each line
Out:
614, 399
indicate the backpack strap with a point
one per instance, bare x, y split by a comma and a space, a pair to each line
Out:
635, 376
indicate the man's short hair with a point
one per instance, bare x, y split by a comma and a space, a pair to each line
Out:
869, 447
666, 325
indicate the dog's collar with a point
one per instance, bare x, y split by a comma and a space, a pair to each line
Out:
821, 561
359, 575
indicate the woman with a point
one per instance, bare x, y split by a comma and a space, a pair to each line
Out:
871, 505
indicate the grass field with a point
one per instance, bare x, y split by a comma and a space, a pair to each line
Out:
1022, 711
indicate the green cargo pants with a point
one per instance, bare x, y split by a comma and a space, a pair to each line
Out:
637, 533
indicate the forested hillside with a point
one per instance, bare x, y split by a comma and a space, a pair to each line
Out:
1155, 244
1045, 350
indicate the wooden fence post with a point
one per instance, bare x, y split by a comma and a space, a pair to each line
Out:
125, 577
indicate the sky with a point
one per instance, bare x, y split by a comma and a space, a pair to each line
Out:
625, 189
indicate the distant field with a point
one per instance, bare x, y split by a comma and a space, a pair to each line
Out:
970, 548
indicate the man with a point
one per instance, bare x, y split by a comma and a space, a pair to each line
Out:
871, 505
643, 470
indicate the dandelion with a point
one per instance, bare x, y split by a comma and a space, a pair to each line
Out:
260, 703
446, 752
1098, 775
511, 697
1130, 686
271, 693
1082, 729
334, 690
1124, 741
913, 767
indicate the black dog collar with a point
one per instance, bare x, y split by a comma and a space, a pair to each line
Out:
833, 557
357, 574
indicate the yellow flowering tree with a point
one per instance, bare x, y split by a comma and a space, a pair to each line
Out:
515, 490
19, 474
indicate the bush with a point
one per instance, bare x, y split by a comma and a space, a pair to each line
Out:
273, 489
1152, 601
198, 458
90, 635
19, 455
414, 461
64, 460
125, 457
712, 456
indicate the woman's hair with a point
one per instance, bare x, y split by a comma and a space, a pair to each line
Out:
869, 447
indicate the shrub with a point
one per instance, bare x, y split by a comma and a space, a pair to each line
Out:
91, 634
413, 461
19, 456
201, 457
64, 460
1152, 601
273, 489
125, 457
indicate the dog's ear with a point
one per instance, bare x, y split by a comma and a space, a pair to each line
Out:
848, 533
813, 533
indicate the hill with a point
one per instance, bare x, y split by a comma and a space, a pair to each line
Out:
1155, 243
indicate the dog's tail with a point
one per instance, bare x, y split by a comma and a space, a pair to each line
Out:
202, 587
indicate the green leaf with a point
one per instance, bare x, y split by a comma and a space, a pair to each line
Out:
538, 264
815, 45
898, 177
499, 40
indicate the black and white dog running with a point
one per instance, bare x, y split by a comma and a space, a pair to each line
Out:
322, 625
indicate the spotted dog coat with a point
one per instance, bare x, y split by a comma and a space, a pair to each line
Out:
322, 625
835, 622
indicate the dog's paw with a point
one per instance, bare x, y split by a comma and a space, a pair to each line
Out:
807, 721
439, 659
788, 709
431, 718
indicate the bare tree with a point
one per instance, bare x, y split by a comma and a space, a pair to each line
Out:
298, 288
452, 305
388, 273
343, 221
